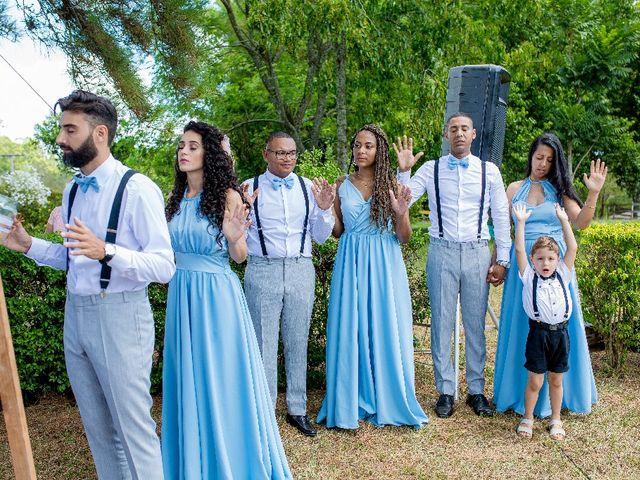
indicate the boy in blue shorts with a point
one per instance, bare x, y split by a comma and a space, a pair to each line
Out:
546, 300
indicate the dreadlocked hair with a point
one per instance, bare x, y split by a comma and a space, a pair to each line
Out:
218, 177
383, 179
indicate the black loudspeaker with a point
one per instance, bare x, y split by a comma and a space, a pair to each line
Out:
480, 91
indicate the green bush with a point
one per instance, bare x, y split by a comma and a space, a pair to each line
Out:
36, 295
35, 299
35, 303
608, 270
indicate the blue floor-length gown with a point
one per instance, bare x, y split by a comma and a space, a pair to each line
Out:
510, 377
217, 417
369, 358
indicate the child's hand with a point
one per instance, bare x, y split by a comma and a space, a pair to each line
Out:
562, 215
521, 212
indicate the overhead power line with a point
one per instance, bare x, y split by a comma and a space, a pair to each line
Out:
26, 81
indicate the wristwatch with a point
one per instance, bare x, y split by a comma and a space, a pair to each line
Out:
109, 253
504, 264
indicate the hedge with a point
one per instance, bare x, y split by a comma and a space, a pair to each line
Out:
35, 302
608, 269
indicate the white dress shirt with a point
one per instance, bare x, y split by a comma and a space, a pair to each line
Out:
143, 247
550, 298
282, 213
460, 191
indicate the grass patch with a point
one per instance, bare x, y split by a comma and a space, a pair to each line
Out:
603, 444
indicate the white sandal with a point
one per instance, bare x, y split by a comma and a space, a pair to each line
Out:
525, 428
556, 431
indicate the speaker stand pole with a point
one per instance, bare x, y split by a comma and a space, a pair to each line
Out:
493, 316
456, 349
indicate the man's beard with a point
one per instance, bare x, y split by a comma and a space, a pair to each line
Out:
83, 155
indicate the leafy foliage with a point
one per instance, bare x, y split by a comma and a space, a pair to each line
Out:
319, 70
609, 280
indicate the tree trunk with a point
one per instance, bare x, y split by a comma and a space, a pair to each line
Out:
314, 139
570, 158
341, 102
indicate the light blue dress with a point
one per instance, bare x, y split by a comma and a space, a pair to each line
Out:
217, 417
510, 377
369, 357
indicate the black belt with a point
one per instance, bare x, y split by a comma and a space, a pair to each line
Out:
549, 326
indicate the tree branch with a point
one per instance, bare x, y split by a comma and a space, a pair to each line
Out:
254, 120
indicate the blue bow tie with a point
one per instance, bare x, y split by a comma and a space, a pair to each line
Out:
85, 182
278, 182
454, 162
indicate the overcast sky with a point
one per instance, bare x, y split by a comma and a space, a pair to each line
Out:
20, 108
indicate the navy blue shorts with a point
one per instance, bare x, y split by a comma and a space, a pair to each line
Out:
547, 350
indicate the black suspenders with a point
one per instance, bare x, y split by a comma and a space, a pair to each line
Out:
263, 246
306, 213
536, 312
436, 180
258, 225
112, 226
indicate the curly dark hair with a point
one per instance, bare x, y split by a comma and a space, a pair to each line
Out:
383, 179
219, 176
559, 173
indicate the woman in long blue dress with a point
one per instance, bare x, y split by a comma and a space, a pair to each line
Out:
369, 357
217, 417
547, 182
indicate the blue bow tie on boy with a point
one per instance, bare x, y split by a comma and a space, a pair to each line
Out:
277, 182
85, 182
454, 162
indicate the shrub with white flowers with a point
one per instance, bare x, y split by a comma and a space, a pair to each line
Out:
25, 187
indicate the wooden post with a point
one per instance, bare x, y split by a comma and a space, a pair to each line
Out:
11, 397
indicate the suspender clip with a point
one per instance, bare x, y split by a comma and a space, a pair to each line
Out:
103, 294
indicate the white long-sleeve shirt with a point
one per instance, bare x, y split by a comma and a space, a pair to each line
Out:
460, 191
282, 212
143, 247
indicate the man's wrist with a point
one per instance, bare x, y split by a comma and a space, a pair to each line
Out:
504, 264
27, 246
109, 253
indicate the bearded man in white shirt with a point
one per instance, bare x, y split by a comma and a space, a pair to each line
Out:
112, 251
462, 189
289, 212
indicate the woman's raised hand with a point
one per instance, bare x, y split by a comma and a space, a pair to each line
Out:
404, 151
235, 222
401, 203
597, 176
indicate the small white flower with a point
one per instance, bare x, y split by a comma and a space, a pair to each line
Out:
25, 187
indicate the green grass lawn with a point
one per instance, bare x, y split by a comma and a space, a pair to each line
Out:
603, 444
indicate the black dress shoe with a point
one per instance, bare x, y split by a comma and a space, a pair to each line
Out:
444, 406
480, 405
302, 423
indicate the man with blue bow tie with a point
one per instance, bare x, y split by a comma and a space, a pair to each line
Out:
290, 211
462, 190
116, 243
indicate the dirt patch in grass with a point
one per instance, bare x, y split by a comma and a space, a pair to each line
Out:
604, 444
